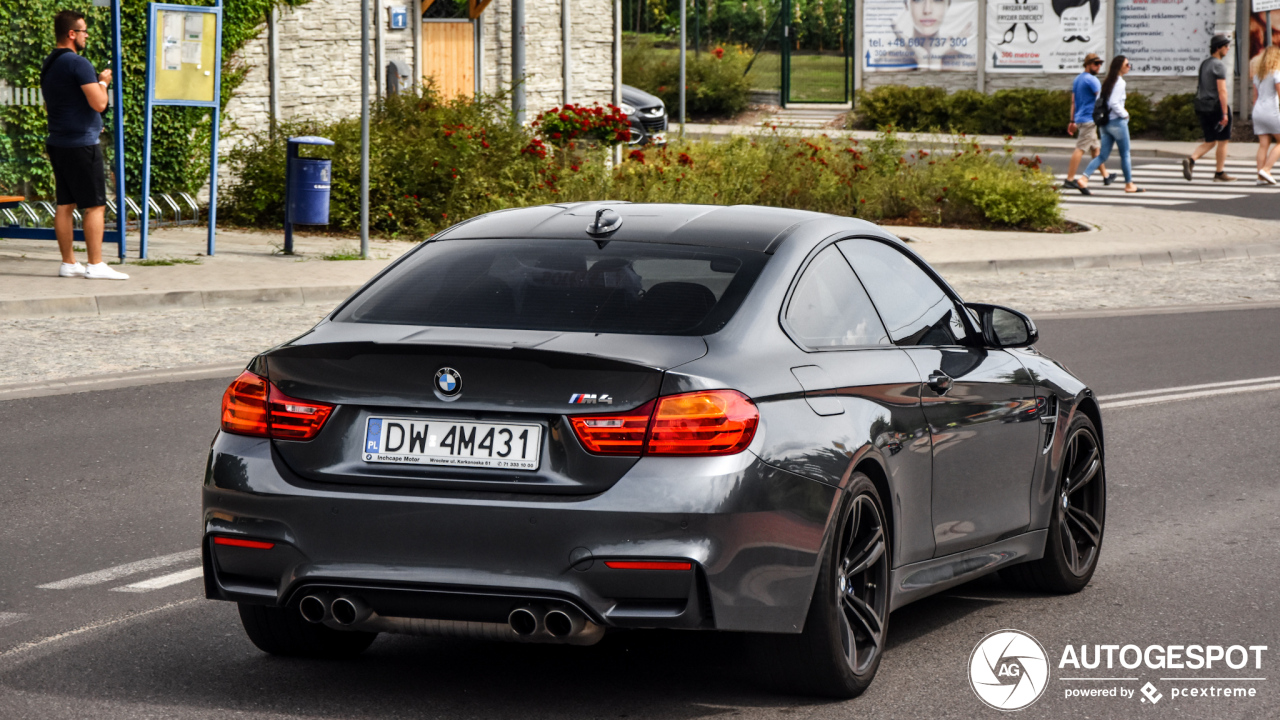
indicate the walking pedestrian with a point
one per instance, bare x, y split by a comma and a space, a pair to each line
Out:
1213, 110
1084, 93
1115, 131
75, 97
1265, 70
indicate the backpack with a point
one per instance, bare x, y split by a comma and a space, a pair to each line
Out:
1102, 110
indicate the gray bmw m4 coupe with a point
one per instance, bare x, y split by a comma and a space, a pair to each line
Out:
553, 423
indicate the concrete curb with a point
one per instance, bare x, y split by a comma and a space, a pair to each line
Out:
1131, 260
177, 300
94, 383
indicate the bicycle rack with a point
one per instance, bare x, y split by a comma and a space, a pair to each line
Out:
195, 207
8, 215
177, 212
31, 215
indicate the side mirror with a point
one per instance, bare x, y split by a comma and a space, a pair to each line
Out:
1005, 328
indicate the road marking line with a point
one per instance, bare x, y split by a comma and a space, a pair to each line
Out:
1097, 678
9, 618
163, 581
1189, 396
1150, 194
1189, 388
119, 571
94, 626
1122, 201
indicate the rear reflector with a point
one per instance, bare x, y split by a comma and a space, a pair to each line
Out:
646, 565
614, 434
253, 406
239, 542
710, 422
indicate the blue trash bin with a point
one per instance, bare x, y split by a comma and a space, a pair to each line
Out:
307, 185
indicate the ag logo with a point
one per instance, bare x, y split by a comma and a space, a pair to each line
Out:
448, 382
1008, 670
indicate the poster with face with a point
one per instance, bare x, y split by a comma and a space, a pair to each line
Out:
1048, 36
1165, 37
902, 35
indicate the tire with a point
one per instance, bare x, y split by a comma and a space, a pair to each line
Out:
848, 606
282, 631
1076, 526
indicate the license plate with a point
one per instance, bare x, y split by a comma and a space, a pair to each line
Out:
658, 138
423, 441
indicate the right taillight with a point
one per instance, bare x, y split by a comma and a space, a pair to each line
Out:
708, 422
253, 406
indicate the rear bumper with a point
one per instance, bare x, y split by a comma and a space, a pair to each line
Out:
752, 533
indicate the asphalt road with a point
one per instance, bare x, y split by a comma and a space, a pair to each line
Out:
91, 481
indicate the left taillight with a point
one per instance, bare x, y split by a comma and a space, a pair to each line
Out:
253, 406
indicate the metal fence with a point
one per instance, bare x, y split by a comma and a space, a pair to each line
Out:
166, 210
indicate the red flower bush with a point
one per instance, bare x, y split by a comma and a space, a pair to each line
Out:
606, 124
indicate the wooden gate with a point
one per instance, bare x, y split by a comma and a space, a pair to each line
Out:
448, 56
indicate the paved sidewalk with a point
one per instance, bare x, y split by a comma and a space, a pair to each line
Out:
248, 270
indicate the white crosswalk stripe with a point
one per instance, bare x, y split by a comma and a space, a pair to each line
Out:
119, 571
163, 581
1165, 186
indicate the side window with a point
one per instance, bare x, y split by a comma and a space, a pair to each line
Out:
829, 308
914, 309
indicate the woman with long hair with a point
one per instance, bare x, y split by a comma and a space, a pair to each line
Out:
1115, 131
1265, 70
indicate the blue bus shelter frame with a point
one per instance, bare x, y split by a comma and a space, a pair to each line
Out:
153, 10
116, 236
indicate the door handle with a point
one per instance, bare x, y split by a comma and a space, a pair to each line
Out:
940, 382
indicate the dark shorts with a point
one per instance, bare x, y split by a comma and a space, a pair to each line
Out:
78, 175
1209, 124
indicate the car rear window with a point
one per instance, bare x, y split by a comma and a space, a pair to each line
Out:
562, 285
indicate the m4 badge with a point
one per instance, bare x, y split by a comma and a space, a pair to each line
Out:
586, 399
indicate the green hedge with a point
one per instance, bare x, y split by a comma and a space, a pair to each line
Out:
1021, 111
716, 81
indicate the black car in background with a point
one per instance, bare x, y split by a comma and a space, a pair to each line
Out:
647, 115
549, 423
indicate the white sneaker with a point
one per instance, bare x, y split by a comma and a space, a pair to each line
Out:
102, 271
74, 269
1266, 176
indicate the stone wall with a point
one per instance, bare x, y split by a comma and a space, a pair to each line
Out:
319, 54
591, 52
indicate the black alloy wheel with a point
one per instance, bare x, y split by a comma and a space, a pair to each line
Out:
862, 583
839, 650
1081, 502
1078, 520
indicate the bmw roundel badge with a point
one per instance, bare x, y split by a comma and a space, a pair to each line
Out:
448, 382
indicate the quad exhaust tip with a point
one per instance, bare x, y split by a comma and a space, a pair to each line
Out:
561, 624
523, 621
314, 608
349, 611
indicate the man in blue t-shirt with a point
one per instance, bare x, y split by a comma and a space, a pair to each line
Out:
1084, 95
75, 97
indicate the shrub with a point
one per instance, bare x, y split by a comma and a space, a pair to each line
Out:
1175, 117
433, 164
716, 82
1015, 111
